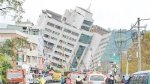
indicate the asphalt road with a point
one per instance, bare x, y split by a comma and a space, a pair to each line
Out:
53, 83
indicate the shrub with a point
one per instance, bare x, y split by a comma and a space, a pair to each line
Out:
3, 79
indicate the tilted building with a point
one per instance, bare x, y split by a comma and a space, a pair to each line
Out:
69, 37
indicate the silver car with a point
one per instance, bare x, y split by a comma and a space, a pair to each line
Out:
95, 79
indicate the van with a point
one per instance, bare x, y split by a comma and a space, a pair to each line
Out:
141, 77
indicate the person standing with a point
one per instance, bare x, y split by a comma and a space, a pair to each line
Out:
123, 80
78, 80
38, 80
42, 81
62, 79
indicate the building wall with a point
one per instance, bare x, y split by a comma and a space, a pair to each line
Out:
21, 56
52, 37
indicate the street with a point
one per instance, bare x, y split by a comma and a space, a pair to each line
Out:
54, 83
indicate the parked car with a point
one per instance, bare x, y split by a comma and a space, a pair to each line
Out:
94, 79
141, 77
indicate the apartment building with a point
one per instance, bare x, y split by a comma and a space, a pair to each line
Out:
11, 34
60, 39
34, 54
67, 38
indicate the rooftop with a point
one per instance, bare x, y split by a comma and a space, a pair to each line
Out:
84, 10
54, 15
100, 30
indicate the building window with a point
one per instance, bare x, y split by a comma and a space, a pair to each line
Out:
78, 54
55, 26
58, 27
67, 56
68, 31
85, 28
68, 50
87, 22
85, 39
59, 47
46, 36
50, 24
69, 44
76, 34
63, 41
65, 36
54, 38
49, 30
35, 32
54, 32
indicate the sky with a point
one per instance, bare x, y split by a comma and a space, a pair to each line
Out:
113, 14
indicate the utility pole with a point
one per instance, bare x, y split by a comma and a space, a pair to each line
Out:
120, 49
127, 64
139, 46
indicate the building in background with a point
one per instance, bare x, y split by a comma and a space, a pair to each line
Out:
34, 54
59, 40
68, 38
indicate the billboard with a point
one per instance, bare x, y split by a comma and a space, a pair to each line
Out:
40, 47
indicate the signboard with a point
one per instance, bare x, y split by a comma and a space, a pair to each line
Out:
40, 47
115, 58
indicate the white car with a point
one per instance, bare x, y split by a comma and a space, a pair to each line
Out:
95, 79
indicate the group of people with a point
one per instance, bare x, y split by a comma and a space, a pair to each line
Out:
112, 80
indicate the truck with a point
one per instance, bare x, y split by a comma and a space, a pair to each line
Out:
16, 76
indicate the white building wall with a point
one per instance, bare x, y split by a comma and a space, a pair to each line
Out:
60, 37
78, 21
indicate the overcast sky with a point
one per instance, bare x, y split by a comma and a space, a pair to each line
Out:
114, 14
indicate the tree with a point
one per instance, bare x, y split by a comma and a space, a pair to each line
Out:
12, 6
145, 56
4, 64
11, 47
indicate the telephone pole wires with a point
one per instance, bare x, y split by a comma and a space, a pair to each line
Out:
139, 46
120, 48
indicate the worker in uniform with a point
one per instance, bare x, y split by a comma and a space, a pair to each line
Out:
42, 80
38, 80
78, 80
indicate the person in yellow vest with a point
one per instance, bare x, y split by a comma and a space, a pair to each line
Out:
78, 80
38, 80
42, 81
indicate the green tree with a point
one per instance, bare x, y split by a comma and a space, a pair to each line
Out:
12, 46
14, 7
4, 64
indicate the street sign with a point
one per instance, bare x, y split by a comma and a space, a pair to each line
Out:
115, 58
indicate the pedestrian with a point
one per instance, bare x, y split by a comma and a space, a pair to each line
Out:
42, 81
123, 80
62, 79
78, 80
38, 80
111, 80
50, 77
107, 80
